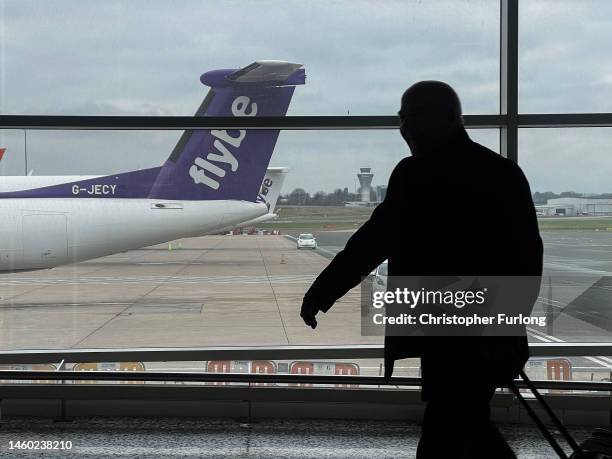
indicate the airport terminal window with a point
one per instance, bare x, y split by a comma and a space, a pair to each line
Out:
205, 291
569, 172
311, 155
566, 159
12, 141
553, 34
245, 288
145, 58
84, 152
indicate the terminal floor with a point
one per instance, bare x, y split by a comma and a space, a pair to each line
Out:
227, 438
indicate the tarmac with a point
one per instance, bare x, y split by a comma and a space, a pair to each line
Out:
577, 281
576, 293
246, 290
206, 291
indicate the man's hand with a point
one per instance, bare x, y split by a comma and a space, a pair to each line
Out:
308, 313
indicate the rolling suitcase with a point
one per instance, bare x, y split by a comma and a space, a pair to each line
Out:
597, 446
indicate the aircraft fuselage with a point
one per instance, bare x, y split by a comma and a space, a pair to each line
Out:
43, 233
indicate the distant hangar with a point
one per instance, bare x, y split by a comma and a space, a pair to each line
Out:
569, 207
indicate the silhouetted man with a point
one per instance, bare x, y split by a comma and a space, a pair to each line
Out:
452, 208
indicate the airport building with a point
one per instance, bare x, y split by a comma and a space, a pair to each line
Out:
570, 207
136, 320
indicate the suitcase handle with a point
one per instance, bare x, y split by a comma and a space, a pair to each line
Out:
553, 441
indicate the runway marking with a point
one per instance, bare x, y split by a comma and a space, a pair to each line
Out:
318, 249
549, 302
558, 266
149, 292
270, 283
256, 279
600, 360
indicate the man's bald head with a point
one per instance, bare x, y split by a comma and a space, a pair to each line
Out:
430, 115
432, 97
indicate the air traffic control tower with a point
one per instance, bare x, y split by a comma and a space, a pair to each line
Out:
365, 182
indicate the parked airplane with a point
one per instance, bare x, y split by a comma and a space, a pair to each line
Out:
210, 181
269, 194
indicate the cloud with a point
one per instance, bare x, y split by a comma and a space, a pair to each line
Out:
145, 58
571, 159
563, 56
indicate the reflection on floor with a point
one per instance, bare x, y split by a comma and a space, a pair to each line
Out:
226, 438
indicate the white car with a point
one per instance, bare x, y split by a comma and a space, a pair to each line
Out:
306, 241
379, 282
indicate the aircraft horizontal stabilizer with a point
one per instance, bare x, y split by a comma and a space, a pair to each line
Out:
262, 73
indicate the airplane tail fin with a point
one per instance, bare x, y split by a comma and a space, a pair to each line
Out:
271, 186
2, 150
230, 164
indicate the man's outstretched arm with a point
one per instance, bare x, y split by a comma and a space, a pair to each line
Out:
365, 250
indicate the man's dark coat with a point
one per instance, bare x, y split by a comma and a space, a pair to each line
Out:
463, 211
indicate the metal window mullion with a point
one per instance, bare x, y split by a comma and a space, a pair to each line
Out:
508, 103
560, 120
210, 122
535, 120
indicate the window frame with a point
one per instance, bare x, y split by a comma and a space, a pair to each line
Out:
508, 121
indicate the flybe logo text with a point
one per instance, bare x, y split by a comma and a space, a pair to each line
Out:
204, 170
265, 189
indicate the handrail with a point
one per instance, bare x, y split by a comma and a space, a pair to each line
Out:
150, 354
322, 352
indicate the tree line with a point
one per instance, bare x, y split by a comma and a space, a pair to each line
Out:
339, 197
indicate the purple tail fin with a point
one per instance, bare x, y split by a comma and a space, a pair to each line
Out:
230, 164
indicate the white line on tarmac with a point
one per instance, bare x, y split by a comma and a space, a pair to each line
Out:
548, 302
600, 360
329, 252
255, 279
567, 267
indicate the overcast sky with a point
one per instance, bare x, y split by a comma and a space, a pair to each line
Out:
145, 58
